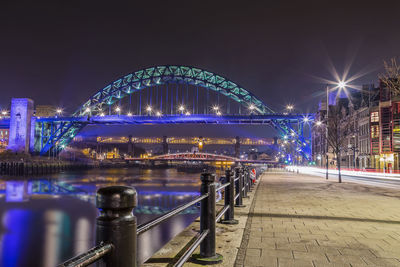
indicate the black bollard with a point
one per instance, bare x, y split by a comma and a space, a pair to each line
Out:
117, 225
244, 182
238, 189
229, 217
207, 222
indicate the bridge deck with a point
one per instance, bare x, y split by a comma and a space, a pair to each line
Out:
178, 119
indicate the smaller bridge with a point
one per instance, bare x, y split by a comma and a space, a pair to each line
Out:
198, 156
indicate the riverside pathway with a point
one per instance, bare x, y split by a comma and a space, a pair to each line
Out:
301, 220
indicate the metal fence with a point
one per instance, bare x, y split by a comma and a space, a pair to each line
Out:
117, 230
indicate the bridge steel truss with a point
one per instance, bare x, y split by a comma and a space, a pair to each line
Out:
54, 134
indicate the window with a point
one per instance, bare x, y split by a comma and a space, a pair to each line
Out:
375, 116
375, 131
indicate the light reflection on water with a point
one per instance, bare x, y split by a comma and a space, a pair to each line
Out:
46, 221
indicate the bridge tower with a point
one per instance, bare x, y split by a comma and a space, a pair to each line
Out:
237, 147
165, 145
131, 146
20, 124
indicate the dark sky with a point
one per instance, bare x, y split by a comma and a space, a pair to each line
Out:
61, 52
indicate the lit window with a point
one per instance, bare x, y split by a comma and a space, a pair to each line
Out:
375, 117
374, 131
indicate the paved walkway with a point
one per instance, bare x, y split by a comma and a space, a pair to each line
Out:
298, 220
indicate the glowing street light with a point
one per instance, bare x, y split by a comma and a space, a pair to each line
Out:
342, 84
149, 109
87, 110
187, 113
129, 114
59, 111
215, 108
306, 119
158, 113
219, 113
102, 114
290, 107
252, 107
318, 123
181, 108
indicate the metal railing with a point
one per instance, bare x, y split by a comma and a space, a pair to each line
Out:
117, 230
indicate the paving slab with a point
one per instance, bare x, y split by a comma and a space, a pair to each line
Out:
301, 220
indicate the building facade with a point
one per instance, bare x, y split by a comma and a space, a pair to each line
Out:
359, 129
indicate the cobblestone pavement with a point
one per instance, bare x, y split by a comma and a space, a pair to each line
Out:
299, 220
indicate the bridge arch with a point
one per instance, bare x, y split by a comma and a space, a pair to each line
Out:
165, 74
56, 134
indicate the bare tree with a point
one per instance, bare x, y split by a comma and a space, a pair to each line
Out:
391, 77
339, 128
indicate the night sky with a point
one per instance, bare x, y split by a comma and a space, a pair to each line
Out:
62, 52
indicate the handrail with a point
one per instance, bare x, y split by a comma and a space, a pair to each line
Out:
222, 186
221, 213
147, 226
116, 220
199, 238
89, 257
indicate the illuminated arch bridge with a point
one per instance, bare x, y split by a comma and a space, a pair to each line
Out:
170, 95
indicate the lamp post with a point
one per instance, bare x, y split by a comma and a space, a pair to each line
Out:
341, 85
326, 133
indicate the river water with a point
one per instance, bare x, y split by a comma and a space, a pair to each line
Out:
45, 221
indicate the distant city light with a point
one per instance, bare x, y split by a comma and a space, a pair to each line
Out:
129, 114
59, 110
87, 109
285, 137
289, 107
218, 113
292, 134
181, 108
187, 113
101, 114
216, 108
117, 109
149, 108
158, 113
306, 119
318, 123
251, 107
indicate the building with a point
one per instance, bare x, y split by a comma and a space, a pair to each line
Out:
45, 111
356, 141
4, 133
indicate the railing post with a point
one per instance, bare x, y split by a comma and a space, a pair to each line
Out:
230, 199
207, 222
117, 225
244, 182
238, 188
249, 181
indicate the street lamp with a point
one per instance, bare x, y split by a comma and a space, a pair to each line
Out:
181, 108
149, 109
59, 111
341, 85
289, 107
118, 109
